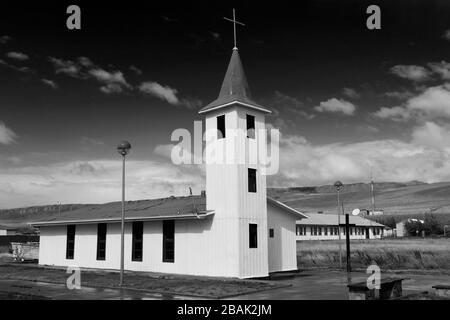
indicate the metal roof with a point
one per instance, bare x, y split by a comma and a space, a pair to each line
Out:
235, 89
285, 207
332, 220
191, 207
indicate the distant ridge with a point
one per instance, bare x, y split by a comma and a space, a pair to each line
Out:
351, 187
394, 198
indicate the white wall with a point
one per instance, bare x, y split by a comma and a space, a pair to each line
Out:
195, 252
227, 194
3, 232
310, 236
282, 247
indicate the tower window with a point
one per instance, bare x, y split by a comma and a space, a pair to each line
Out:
101, 241
168, 240
250, 126
70, 247
253, 235
271, 233
221, 127
138, 230
251, 180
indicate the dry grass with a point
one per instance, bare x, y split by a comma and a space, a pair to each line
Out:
165, 284
392, 254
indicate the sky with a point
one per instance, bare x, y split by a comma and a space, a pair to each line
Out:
345, 98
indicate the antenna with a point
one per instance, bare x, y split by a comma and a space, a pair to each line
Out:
372, 193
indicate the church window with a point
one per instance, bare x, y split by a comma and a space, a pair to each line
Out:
70, 247
253, 235
251, 180
138, 231
101, 241
250, 126
221, 127
168, 240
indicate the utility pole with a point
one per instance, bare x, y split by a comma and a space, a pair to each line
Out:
123, 148
338, 185
372, 192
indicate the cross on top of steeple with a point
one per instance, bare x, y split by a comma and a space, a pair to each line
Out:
234, 27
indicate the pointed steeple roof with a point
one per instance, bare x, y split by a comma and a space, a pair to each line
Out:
234, 88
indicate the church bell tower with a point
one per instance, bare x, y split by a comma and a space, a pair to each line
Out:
235, 183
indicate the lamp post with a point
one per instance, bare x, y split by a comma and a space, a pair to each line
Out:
123, 148
338, 185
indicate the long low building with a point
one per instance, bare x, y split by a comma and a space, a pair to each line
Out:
325, 227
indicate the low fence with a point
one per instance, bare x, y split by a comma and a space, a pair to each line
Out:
25, 251
6, 240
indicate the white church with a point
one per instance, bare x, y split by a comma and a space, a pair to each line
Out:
231, 230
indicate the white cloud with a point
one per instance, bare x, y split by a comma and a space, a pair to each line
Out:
431, 134
111, 88
336, 105
94, 181
85, 62
7, 136
433, 102
109, 77
135, 70
305, 164
395, 113
67, 67
441, 68
17, 56
5, 39
351, 93
411, 72
162, 92
20, 69
52, 84
401, 95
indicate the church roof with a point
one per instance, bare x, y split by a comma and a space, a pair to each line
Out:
191, 207
235, 89
318, 219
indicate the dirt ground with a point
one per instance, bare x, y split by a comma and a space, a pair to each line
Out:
165, 284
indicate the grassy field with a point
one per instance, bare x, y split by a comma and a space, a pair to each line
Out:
388, 254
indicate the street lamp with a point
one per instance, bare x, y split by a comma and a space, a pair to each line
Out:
338, 185
123, 148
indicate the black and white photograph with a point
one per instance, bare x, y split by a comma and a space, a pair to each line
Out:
238, 151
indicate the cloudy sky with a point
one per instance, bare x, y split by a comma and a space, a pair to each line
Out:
344, 97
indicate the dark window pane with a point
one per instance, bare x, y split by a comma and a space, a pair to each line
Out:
271, 233
250, 126
70, 247
221, 127
138, 230
168, 240
101, 241
251, 180
253, 233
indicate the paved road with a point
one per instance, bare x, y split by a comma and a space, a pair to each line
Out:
309, 285
332, 285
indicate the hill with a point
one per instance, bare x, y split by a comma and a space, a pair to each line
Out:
394, 198
412, 198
